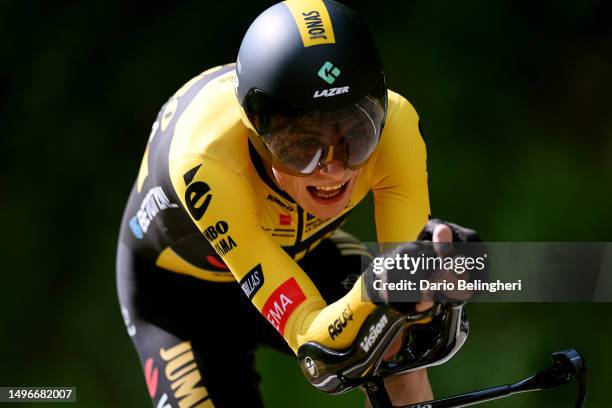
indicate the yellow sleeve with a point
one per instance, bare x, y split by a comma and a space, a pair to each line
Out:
399, 180
222, 205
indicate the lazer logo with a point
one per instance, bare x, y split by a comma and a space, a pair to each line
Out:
373, 334
314, 25
340, 323
197, 197
329, 73
420, 406
281, 304
252, 281
183, 374
326, 93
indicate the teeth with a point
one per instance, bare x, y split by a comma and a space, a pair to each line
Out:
329, 188
324, 195
328, 191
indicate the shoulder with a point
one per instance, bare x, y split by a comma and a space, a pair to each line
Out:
210, 124
401, 132
401, 126
209, 143
400, 109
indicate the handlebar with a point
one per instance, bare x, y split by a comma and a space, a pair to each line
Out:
566, 365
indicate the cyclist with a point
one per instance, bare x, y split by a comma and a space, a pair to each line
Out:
249, 171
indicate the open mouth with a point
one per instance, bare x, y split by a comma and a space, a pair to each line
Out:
327, 193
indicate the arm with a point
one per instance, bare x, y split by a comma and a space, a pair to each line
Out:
281, 291
399, 180
401, 200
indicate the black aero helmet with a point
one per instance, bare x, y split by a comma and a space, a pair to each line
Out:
311, 84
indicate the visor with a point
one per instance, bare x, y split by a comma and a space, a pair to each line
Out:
302, 144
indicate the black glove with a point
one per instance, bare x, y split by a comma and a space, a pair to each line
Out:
405, 300
466, 243
460, 234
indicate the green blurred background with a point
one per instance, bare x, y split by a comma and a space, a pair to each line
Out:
514, 98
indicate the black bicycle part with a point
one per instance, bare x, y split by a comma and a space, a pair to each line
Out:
566, 365
377, 393
429, 338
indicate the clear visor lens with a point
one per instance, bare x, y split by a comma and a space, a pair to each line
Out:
303, 144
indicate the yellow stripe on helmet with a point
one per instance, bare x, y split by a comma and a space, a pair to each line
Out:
312, 19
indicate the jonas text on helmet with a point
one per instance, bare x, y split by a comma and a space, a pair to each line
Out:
314, 25
330, 92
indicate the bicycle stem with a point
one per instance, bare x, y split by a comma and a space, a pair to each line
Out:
377, 393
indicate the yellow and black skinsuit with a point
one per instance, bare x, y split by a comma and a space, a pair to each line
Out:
205, 226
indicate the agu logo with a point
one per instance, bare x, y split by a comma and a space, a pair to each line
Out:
340, 323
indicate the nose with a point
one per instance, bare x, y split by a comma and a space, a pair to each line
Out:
334, 169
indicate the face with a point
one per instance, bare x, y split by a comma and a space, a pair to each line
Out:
324, 193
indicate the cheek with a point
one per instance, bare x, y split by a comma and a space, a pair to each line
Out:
290, 184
